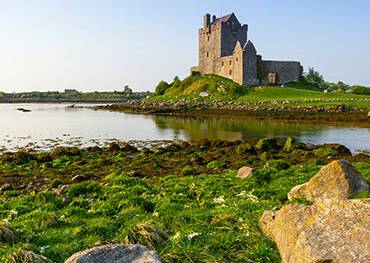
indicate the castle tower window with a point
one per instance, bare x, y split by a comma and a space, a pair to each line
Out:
230, 72
223, 63
231, 62
237, 59
207, 54
208, 38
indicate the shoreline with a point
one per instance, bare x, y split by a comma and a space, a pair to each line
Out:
326, 114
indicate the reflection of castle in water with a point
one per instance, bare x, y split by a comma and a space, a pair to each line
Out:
234, 128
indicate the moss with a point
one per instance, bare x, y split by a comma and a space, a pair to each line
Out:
278, 164
216, 164
266, 144
265, 156
290, 144
187, 170
207, 215
244, 148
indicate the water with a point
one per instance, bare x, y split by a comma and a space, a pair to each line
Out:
49, 125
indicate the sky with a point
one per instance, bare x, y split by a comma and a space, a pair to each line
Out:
96, 45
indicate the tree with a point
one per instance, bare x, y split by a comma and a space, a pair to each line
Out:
161, 88
315, 78
127, 90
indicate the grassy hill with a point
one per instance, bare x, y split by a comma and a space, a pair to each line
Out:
225, 89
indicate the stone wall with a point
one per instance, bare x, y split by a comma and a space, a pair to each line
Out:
209, 48
232, 33
250, 67
287, 71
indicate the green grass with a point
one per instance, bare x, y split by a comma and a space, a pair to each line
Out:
205, 214
219, 88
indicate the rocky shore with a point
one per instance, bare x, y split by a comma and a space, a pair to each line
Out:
277, 109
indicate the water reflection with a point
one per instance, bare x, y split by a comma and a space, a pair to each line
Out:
243, 128
234, 128
50, 125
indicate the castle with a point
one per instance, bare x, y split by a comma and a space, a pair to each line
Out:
225, 50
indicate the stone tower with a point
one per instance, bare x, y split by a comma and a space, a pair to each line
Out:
224, 50
218, 39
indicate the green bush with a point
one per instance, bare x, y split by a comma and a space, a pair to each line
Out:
161, 88
360, 90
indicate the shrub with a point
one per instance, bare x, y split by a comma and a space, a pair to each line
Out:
360, 90
161, 88
314, 78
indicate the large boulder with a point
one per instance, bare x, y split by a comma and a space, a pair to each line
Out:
337, 180
330, 230
116, 254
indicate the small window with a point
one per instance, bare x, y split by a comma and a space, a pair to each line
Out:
230, 72
231, 62
237, 59
208, 38
223, 63
207, 54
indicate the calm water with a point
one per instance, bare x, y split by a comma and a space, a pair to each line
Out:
50, 125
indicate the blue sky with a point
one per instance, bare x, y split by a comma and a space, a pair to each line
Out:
104, 45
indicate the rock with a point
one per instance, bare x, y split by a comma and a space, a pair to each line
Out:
79, 178
330, 230
243, 148
116, 254
7, 234
266, 144
290, 144
265, 156
245, 172
337, 180
113, 147
204, 94
25, 256
5, 187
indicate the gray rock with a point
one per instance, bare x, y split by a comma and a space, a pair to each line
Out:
5, 187
116, 254
337, 180
330, 230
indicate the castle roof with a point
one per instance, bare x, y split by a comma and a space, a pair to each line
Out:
223, 19
249, 45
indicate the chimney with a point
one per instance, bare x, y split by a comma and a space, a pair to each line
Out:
207, 20
213, 18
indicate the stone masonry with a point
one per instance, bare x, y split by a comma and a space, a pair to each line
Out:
225, 50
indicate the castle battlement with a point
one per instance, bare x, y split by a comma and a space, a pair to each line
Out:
224, 49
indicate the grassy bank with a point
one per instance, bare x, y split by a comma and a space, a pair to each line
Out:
215, 95
219, 88
183, 200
